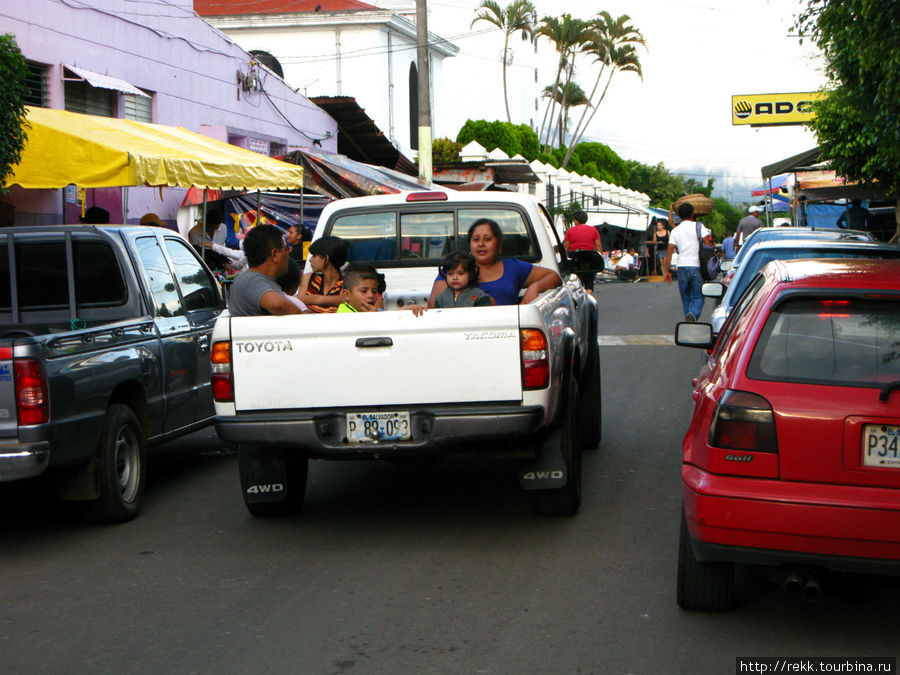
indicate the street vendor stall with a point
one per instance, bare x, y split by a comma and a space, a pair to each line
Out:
91, 151
64, 148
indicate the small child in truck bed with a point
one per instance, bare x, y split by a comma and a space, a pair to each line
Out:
462, 289
360, 292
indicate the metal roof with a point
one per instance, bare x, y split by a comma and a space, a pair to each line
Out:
359, 138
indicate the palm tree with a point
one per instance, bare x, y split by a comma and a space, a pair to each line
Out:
567, 96
515, 17
566, 34
613, 44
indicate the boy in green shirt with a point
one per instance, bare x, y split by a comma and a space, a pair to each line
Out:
360, 291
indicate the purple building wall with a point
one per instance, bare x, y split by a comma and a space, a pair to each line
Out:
190, 68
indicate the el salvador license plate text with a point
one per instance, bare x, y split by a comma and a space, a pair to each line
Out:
881, 445
368, 427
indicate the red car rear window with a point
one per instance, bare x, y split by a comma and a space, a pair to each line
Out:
851, 342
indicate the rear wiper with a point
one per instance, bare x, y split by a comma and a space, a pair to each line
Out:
888, 388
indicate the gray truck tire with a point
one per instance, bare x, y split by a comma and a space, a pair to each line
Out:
702, 585
589, 406
566, 500
283, 472
120, 468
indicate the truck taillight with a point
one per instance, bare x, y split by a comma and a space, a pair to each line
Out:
743, 421
535, 362
31, 392
222, 382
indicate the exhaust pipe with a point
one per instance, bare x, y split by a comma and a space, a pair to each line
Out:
812, 590
794, 584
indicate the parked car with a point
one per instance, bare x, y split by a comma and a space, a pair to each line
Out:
763, 234
791, 249
792, 456
104, 348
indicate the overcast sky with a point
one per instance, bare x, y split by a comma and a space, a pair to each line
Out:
699, 53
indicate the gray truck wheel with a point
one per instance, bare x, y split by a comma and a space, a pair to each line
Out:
564, 501
120, 472
702, 585
589, 407
273, 480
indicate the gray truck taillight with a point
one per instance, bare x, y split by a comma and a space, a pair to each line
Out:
221, 380
743, 421
535, 362
32, 406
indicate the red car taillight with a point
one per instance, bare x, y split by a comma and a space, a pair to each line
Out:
743, 421
31, 392
535, 360
222, 381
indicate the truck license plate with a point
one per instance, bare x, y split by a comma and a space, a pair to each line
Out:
881, 445
377, 427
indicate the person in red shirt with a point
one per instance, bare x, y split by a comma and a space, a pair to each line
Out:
584, 246
581, 236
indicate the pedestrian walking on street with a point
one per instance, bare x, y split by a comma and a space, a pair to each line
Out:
747, 224
684, 240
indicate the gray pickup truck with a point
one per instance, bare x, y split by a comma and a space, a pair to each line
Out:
104, 349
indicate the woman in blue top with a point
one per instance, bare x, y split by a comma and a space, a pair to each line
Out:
501, 279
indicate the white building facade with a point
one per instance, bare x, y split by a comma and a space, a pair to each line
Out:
367, 53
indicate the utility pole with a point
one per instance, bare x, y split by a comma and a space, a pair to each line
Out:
424, 91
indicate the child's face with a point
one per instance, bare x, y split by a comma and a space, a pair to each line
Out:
362, 296
457, 278
317, 262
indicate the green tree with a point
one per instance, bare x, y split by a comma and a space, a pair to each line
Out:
492, 135
514, 18
612, 43
445, 150
13, 74
567, 96
567, 35
856, 122
610, 166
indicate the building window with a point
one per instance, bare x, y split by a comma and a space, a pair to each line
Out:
277, 149
138, 108
83, 98
413, 107
258, 146
37, 85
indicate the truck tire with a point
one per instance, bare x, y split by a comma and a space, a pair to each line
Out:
707, 586
121, 468
277, 468
566, 500
589, 406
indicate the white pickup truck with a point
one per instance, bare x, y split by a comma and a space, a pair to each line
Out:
520, 380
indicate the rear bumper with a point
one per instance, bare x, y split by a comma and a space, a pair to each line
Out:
769, 522
321, 433
23, 460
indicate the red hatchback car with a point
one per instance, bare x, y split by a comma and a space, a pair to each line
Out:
792, 457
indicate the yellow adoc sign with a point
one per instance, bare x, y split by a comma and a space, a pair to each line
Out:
773, 109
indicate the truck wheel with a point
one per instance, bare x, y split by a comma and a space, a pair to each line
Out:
589, 407
566, 500
273, 480
121, 474
702, 585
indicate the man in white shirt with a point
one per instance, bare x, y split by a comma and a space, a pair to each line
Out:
684, 239
625, 268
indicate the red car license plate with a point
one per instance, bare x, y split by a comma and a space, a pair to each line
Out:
881, 446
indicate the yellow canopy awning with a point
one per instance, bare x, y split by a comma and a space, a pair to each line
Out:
91, 151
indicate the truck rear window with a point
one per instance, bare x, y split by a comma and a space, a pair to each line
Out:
847, 342
42, 278
427, 236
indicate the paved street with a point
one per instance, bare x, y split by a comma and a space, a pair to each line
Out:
438, 568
